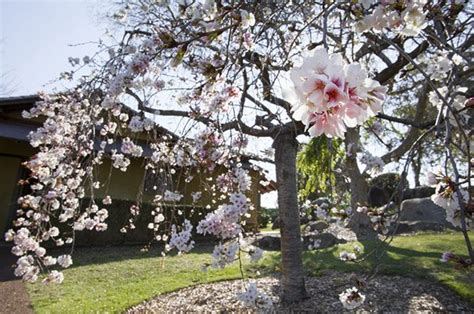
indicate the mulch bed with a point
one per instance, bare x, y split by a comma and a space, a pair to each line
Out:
384, 293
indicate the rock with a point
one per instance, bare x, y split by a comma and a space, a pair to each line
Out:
327, 240
382, 187
342, 233
422, 191
423, 210
269, 243
318, 226
272, 243
361, 225
276, 223
323, 202
415, 226
304, 220
377, 196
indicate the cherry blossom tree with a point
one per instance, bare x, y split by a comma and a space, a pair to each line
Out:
232, 71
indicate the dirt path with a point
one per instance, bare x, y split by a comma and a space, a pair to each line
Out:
13, 295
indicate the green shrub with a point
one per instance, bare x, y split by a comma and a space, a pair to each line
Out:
266, 216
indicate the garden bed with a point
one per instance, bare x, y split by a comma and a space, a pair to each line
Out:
383, 293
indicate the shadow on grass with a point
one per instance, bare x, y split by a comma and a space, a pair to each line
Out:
121, 276
415, 257
96, 255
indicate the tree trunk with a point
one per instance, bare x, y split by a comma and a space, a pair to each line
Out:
416, 165
292, 282
358, 222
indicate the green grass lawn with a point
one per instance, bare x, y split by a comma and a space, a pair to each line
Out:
268, 228
413, 256
113, 279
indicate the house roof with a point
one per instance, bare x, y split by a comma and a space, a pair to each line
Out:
16, 129
15, 103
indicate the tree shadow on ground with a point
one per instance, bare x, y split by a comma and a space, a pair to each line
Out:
96, 255
389, 260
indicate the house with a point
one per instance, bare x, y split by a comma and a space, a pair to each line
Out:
124, 189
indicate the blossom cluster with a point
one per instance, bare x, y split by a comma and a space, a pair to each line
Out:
92, 218
130, 148
455, 114
172, 196
209, 148
373, 164
314, 211
140, 124
225, 221
119, 161
347, 256
25, 268
181, 240
196, 196
334, 95
58, 171
219, 99
351, 298
459, 261
224, 254
380, 220
407, 19
254, 298
446, 196
446, 257
314, 244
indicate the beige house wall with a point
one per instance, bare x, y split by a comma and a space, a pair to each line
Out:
9, 171
12, 154
119, 185
129, 185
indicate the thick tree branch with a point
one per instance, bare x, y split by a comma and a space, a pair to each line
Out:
401, 62
232, 125
413, 123
414, 132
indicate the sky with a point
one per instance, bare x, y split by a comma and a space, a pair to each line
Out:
36, 39
38, 36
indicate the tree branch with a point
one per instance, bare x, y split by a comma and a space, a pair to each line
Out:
414, 132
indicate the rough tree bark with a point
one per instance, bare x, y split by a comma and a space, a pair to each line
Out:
416, 165
292, 282
359, 222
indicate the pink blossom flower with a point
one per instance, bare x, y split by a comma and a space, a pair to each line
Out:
446, 257
328, 123
334, 95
